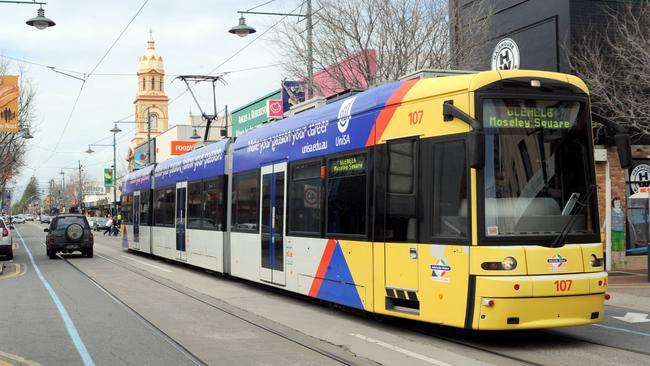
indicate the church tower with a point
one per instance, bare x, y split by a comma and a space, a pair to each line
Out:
150, 99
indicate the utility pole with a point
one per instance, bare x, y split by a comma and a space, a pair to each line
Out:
63, 191
80, 189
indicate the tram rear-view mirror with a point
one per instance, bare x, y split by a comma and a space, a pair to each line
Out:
624, 149
476, 142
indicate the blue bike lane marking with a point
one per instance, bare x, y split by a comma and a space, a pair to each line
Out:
69, 325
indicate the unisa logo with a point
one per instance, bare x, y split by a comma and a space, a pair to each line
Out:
439, 269
345, 111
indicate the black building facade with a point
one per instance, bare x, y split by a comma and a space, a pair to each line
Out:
544, 31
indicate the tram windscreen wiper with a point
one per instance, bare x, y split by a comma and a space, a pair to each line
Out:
561, 238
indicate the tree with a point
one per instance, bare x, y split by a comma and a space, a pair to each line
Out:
31, 194
404, 36
13, 145
615, 64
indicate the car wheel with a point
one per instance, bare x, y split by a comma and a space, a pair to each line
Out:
10, 256
89, 253
51, 254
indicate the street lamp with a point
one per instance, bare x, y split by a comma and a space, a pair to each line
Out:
115, 130
195, 135
242, 30
40, 21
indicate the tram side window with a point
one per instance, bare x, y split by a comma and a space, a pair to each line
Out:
347, 195
164, 204
194, 204
127, 207
214, 192
401, 199
245, 201
306, 191
145, 212
450, 190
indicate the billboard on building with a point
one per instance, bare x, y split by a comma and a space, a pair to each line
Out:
346, 74
9, 93
141, 155
293, 93
251, 115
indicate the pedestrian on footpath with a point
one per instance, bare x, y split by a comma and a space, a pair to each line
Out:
118, 224
109, 226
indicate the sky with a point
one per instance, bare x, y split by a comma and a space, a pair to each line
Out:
191, 36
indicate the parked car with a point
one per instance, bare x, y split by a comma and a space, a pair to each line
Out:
6, 241
45, 219
29, 217
69, 233
17, 220
98, 223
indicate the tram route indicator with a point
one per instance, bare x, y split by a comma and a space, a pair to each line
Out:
527, 117
348, 165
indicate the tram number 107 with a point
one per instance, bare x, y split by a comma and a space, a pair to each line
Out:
563, 285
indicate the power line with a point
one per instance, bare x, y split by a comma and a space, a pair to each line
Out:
118, 38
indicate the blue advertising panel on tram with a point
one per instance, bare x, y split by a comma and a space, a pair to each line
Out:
138, 180
208, 161
343, 125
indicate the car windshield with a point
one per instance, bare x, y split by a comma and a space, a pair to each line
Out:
537, 167
65, 221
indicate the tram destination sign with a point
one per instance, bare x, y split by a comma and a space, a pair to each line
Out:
497, 114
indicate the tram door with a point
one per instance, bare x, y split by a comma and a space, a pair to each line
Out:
399, 163
272, 219
181, 220
136, 220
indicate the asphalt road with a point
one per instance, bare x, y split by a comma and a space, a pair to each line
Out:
96, 329
197, 316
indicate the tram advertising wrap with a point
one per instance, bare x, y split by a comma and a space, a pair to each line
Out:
466, 201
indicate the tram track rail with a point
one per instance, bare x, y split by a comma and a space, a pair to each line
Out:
332, 351
318, 346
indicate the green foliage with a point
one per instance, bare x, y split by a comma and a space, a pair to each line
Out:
31, 194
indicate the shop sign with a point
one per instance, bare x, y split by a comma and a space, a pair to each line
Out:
181, 147
274, 108
251, 115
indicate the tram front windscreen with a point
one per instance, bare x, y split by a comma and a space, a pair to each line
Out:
538, 169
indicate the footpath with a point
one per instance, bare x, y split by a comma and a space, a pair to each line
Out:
630, 289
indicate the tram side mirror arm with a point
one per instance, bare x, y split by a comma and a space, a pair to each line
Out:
475, 138
621, 138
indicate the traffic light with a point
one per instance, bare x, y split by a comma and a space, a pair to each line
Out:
108, 177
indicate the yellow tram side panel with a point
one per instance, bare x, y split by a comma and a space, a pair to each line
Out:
358, 255
442, 295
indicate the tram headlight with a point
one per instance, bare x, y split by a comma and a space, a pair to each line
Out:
509, 264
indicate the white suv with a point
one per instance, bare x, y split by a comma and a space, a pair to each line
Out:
6, 241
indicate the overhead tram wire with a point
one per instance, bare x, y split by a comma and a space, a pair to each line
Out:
240, 50
65, 127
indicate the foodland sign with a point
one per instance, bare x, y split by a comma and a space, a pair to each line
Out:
181, 147
252, 115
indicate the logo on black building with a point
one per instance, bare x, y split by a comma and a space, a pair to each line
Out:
505, 55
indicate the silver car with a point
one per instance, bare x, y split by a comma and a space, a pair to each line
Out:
6, 241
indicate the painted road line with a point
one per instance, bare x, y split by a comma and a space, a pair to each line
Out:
622, 330
629, 286
391, 347
146, 264
69, 325
18, 359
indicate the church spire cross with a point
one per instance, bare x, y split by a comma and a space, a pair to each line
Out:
150, 41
